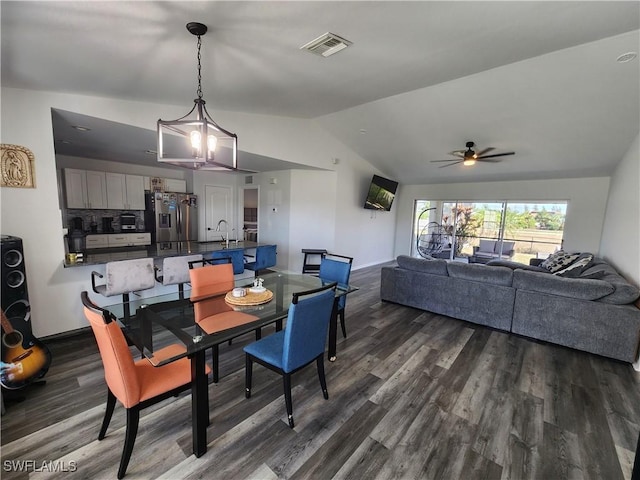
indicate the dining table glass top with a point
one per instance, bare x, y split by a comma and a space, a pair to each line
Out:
163, 327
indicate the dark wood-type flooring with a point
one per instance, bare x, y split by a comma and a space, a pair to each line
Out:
412, 395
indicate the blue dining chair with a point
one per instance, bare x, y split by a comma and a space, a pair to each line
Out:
301, 342
265, 258
333, 270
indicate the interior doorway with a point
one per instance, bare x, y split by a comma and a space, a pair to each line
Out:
218, 213
250, 213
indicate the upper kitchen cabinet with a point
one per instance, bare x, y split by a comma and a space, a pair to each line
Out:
175, 185
125, 192
85, 189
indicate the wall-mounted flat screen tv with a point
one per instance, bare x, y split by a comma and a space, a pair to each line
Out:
381, 194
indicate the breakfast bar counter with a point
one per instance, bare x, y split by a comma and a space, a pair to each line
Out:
156, 251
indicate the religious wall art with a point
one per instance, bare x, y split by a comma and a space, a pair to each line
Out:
17, 167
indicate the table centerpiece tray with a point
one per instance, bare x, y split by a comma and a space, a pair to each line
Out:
251, 298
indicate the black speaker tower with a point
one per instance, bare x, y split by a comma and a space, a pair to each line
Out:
15, 296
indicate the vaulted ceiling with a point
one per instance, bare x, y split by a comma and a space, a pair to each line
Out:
420, 80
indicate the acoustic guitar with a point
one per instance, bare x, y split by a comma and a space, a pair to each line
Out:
23, 360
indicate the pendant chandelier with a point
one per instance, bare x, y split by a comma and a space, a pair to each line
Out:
197, 143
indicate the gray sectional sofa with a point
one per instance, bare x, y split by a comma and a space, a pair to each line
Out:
594, 312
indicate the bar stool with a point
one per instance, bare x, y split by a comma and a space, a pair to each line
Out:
265, 258
307, 266
175, 271
123, 277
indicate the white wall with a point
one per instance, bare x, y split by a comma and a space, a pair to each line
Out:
313, 212
587, 199
34, 214
621, 232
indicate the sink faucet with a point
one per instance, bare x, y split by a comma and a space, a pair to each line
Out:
226, 231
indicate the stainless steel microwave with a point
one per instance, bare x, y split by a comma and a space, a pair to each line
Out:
127, 222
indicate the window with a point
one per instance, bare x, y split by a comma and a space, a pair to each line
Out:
514, 230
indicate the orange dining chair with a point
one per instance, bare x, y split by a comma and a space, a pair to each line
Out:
136, 384
209, 283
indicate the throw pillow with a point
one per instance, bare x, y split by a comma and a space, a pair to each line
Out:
576, 268
559, 260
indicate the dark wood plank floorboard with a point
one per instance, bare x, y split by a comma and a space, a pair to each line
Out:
412, 395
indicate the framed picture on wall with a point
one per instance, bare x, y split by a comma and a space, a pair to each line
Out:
157, 184
17, 167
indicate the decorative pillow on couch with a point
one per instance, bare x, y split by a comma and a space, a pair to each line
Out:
576, 267
559, 261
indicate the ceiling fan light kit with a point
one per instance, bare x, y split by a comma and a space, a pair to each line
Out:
197, 143
470, 157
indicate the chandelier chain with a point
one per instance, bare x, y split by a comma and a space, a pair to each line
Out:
199, 91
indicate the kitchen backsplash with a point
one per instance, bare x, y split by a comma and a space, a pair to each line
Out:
94, 217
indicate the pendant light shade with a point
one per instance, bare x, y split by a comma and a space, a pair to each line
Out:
196, 141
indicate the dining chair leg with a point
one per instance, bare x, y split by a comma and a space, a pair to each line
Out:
321, 376
248, 370
344, 330
111, 404
286, 378
216, 367
133, 418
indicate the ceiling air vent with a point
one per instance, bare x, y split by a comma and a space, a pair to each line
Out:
326, 45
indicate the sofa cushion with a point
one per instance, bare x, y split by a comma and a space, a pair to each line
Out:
513, 265
431, 265
478, 272
583, 289
487, 246
576, 267
559, 260
506, 247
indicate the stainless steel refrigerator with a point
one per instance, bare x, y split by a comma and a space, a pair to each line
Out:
172, 217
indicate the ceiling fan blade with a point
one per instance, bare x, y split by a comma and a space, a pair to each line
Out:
490, 160
451, 163
458, 153
486, 150
497, 155
447, 160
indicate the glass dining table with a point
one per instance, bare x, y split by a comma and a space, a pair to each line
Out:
154, 322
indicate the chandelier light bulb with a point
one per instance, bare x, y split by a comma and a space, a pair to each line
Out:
195, 139
212, 141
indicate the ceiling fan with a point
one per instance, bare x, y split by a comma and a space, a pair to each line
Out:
469, 157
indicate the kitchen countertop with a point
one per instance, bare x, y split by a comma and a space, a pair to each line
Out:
100, 256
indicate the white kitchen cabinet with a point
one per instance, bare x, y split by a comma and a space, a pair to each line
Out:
129, 239
175, 185
118, 240
140, 238
125, 192
97, 241
135, 192
85, 188
96, 189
